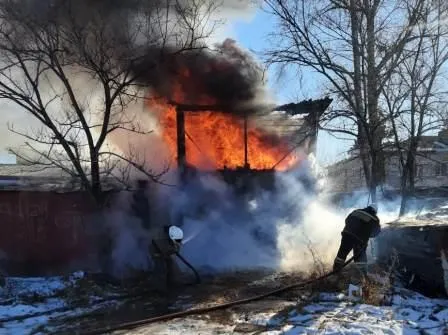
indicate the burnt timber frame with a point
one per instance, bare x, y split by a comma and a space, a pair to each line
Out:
180, 132
314, 109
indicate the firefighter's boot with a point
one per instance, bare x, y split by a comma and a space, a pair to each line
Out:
338, 264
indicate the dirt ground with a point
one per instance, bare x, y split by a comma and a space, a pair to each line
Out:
144, 302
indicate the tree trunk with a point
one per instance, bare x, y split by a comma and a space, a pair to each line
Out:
357, 84
97, 192
358, 93
408, 178
404, 191
412, 171
104, 241
372, 103
364, 155
373, 178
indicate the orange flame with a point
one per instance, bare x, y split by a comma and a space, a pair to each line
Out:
215, 140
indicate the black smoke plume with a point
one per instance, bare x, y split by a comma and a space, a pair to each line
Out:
223, 75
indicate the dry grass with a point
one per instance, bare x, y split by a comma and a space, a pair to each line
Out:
376, 286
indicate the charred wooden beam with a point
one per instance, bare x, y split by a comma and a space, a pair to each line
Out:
305, 107
197, 108
181, 148
228, 109
246, 157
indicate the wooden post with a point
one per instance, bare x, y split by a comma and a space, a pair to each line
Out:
246, 159
181, 149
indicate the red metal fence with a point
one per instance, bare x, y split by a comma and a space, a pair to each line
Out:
43, 229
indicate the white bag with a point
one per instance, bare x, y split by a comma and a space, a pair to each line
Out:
354, 292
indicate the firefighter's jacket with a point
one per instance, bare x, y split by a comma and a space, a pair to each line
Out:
161, 244
362, 225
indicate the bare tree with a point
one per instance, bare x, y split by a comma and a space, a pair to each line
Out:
71, 65
355, 45
414, 95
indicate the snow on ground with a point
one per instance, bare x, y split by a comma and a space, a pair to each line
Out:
405, 316
185, 327
335, 314
39, 324
17, 309
44, 287
409, 313
34, 305
28, 304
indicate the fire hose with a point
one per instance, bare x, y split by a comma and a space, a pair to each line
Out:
203, 310
196, 274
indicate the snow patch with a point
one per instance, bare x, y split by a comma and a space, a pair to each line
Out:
330, 313
27, 305
22, 309
43, 287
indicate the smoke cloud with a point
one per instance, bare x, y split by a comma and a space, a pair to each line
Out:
291, 227
226, 76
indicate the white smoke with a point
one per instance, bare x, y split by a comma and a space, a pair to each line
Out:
291, 227
388, 206
294, 227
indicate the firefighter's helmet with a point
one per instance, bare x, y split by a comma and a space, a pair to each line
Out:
175, 233
374, 207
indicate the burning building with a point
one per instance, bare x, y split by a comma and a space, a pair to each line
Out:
203, 137
211, 109
210, 104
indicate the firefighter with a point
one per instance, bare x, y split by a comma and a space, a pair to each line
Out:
360, 226
165, 244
